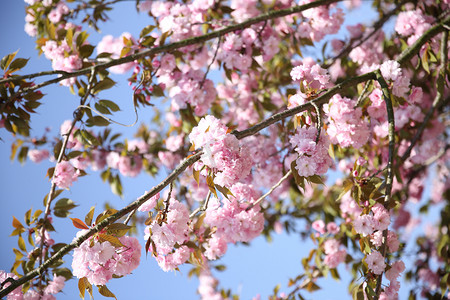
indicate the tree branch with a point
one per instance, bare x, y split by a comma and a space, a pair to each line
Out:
390, 173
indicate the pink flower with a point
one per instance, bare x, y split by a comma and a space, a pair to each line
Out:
311, 75
381, 217
375, 262
332, 228
331, 246
392, 241
37, 155
149, 204
364, 225
64, 175
319, 226
334, 259
56, 285
390, 70
101, 261
395, 270
346, 125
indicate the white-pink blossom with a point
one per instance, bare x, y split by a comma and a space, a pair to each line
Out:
375, 262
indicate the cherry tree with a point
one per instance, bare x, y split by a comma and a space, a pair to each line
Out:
252, 129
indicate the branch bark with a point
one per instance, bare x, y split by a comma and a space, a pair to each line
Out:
390, 173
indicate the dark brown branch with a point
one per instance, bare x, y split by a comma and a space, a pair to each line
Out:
390, 173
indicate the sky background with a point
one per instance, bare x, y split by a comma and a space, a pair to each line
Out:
250, 270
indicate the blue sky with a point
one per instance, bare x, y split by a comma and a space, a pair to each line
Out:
250, 270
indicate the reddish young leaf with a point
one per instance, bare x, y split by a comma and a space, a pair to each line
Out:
79, 224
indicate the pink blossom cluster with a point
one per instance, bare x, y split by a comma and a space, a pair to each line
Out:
268, 167
407, 114
57, 13
166, 235
63, 58
101, 261
36, 155
239, 93
208, 286
232, 223
375, 262
392, 240
370, 52
311, 75
112, 45
391, 71
334, 256
391, 291
349, 208
367, 224
346, 126
182, 20
191, 88
150, 203
221, 152
412, 24
319, 226
319, 21
73, 143
128, 165
313, 158
53, 287
64, 175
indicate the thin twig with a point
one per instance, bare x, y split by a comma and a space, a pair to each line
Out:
270, 191
363, 94
202, 207
212, 61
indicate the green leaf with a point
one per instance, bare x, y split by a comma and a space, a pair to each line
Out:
103, 290
97, 121
315, 179
18, 63
105, 84
74, 154
86, 50
118, 229
196, 174
89, 138
109, 104
103, 109
65, 204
